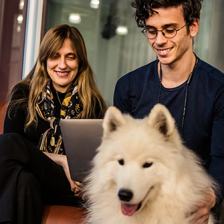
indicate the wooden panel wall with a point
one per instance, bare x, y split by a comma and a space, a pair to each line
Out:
2, 116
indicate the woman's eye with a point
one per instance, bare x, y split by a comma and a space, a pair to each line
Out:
147, 165
121, 162
71, 58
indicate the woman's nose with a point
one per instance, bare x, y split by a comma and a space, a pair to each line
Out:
62, 63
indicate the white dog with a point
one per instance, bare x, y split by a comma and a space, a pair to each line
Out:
143, 174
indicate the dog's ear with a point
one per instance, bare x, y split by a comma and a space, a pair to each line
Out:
112, 120
161, 119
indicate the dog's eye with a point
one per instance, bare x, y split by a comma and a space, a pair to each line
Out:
121, 162
146, 165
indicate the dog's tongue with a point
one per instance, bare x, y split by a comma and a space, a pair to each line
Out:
128, 209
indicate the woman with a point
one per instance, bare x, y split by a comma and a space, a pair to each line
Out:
33, 165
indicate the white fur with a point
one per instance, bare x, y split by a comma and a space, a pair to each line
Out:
168, 190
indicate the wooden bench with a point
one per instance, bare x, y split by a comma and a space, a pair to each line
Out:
55, 214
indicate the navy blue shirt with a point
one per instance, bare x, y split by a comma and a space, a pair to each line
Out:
203, 131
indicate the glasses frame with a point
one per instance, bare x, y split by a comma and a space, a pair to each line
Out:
144, 31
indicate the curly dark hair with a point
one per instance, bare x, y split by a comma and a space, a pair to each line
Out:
145, 8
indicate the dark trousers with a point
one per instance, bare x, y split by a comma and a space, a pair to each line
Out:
218, 212
29, 179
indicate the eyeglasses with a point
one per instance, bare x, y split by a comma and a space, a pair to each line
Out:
168, 32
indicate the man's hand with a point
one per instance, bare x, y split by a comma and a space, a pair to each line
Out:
202, 212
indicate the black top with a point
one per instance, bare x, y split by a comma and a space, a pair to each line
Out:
137, 92
17, 121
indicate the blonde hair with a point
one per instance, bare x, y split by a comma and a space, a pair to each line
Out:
36, 80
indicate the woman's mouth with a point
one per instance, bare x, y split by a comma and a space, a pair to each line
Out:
62, 74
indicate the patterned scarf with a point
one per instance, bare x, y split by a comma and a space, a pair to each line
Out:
71, 107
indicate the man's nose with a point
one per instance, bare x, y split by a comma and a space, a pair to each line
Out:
160, 39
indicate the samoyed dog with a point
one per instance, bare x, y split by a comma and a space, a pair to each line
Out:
143, 173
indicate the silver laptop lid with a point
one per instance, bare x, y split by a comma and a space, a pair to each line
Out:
81, 138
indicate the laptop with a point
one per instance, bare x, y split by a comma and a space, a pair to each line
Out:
81, 138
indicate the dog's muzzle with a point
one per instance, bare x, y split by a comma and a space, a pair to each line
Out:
125, 195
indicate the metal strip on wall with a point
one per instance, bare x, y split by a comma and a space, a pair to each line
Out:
32, 36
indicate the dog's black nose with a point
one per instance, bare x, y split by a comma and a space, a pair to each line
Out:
125, 195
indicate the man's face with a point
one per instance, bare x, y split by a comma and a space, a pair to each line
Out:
170, 50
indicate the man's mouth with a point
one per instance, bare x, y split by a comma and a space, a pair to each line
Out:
164, 51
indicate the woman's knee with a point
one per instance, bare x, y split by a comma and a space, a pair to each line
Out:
9, 136
13, 154
9, 141
12, 146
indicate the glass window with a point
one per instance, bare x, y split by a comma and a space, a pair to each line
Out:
115, 44
12, 30
209, 44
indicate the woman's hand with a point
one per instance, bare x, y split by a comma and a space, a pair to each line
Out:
75, 185
202, 212
62, 161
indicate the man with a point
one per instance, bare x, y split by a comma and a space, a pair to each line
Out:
191, 89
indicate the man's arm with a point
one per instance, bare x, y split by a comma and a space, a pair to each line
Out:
216, 168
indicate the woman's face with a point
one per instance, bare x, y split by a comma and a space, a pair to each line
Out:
63, 67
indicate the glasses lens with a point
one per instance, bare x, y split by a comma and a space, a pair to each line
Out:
151, 33
169, 32
145, 33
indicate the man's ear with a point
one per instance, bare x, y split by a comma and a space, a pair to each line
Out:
194, 28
